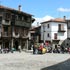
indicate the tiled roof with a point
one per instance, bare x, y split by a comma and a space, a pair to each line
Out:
33, 28
6, 7
3, 7
60, 20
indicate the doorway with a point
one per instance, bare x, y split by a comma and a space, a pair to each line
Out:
6, 44
16, 45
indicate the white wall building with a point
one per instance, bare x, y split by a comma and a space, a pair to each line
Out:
54, 31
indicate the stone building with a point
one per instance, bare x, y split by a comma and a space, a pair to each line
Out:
36, 34
14, 28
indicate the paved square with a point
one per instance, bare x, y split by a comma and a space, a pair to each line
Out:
28, 61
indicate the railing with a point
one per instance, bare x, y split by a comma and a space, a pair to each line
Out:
19, 35
16, 36
61, 30
6, 34
22, 23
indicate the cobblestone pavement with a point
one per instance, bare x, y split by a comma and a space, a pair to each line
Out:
28, 61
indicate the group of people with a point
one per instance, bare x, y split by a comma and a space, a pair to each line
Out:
7, 50
65, 49
43, 48
38, 48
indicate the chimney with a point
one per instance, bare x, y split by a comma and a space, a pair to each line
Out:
19, 8
64, 17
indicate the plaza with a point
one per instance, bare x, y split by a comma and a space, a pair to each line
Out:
29, 61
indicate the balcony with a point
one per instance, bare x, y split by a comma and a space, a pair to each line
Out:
22, 23
6, 34
55, 41
7, 16
61, 30
6, 22
15, 35
25, 37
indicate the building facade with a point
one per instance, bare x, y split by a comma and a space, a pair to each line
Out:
68, 28
14, 28
66, 42
54, 31
36, 34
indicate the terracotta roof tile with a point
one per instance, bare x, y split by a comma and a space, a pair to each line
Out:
59, 20
56, 20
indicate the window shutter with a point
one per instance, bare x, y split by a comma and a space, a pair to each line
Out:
62, 26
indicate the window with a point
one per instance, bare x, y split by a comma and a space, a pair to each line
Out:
7, 16
48, 25
6, 30
48, 35
55, 35
14, 17
6, 21
43, 28
0, 19
61, 27
16, 30
28, 19
19, 17
25, 18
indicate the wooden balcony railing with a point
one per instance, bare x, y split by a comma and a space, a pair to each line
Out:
6, 34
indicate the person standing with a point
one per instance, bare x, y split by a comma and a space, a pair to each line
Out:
40, 48
33, 49
19, 48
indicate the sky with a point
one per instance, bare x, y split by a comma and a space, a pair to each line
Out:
41, 9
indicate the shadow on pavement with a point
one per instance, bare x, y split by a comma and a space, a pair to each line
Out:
60, 66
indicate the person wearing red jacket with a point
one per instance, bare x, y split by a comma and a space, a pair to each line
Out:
40, 48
